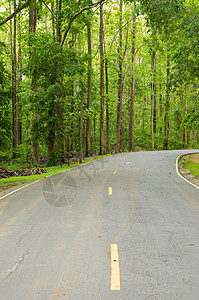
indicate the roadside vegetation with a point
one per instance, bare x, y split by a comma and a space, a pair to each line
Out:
191, 164
47, 171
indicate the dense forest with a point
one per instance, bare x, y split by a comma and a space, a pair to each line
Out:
97, 77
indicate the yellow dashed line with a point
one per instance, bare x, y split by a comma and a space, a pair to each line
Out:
110, 191
115, 268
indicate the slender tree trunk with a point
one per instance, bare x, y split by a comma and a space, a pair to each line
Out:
160, 100
13, 26
132, 97
143, 129
186, 135
32, 30
124, 100
72, 131
52, 107
122, 129
119, 101
88, 121
102, 144
19, 122
107, 107
60, 104
53, 18
81, 125
58, 23
166, 117
153, 97
194, 139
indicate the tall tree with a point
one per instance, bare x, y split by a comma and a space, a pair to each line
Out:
88, 121
19, 80
166, 117
102, 143
132, 95
60, 113
107, 102
32, 30
153, 96
13, 33
119, 101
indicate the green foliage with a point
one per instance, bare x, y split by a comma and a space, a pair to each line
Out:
49, 84
191, 120
163, 14
5, 105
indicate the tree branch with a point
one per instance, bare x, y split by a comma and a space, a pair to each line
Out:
26, 4
76, 15
49, 9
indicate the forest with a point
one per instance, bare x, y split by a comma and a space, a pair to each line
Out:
97, 77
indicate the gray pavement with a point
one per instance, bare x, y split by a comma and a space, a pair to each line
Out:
55, 234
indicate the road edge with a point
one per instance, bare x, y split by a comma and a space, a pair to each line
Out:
178, 172
28, 184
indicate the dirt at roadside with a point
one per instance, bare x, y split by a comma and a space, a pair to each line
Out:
8, 189
186, 173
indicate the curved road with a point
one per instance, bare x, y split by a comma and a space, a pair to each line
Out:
123, 227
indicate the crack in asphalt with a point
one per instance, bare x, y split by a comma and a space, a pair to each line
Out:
25, 234
17, 265
151, 296
170, 240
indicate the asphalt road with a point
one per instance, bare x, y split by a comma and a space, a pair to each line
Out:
123, 227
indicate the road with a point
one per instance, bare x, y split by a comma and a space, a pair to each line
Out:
123, 227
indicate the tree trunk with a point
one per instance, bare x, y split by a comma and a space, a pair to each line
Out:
19, 122
194, 139
81, 125
58, 21
102, 144
13, 26
143, 129
53, 18
186, 136
32, 29
107, 107
88, 121
132, 97
153, 97
166, 117
124, 100
119, 101
60, 113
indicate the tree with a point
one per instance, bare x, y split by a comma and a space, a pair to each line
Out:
119, 102
102, 144
88, 122
132, 97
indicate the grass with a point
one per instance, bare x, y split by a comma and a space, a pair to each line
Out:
191, 162
13, 181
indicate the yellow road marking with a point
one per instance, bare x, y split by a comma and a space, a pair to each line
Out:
110, 190
115, 268
115, 172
